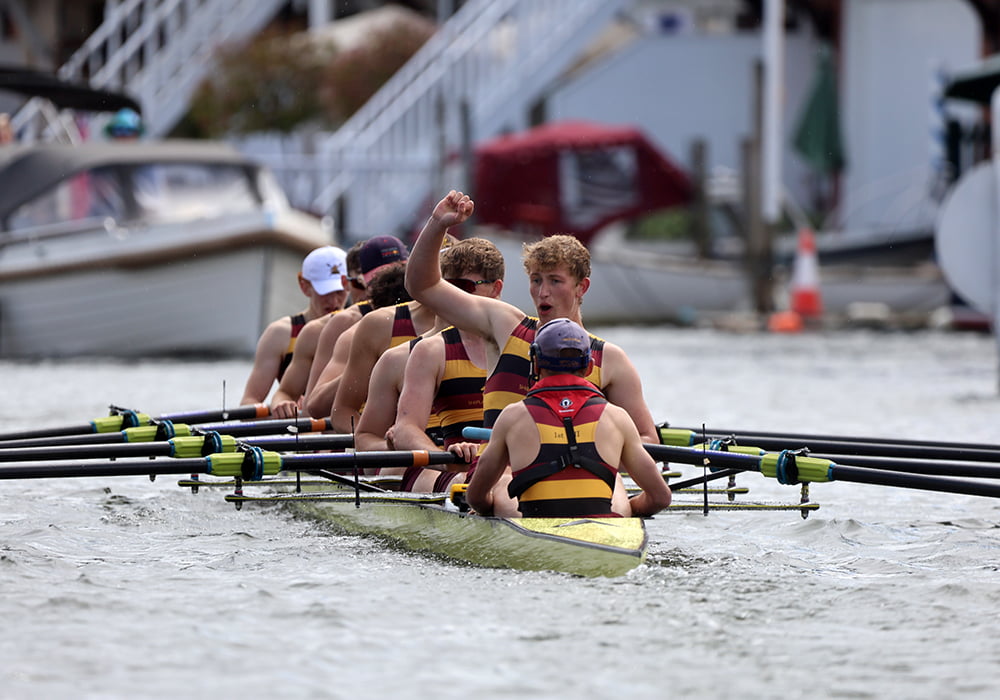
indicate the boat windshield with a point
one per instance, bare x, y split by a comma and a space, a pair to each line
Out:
185, 191
155, 192
96, 193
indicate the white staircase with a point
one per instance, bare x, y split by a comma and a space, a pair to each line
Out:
480, 74
490, 62
155, 50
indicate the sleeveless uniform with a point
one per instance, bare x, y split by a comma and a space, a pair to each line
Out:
567, 478
458, 402
298, 323
402, 326
511, 378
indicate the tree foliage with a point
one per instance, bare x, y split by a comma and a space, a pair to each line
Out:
281, 82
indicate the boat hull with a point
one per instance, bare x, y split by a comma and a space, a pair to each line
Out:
135, 297
421, 522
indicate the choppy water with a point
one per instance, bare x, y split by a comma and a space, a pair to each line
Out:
125, 588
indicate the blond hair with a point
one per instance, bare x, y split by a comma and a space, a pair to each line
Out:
554, 251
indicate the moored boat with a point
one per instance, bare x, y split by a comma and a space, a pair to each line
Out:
142, 248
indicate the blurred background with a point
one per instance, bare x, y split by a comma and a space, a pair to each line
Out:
699, 147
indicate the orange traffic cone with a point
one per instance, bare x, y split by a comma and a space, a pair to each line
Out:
805, 296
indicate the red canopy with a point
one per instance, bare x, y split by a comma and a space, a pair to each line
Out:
573, 177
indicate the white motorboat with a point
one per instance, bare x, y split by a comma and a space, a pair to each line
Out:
139, 248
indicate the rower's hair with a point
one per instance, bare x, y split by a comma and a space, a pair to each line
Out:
354, 259
473, 255
386, 288
554, 251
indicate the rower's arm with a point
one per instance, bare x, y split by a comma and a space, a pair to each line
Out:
623, 387
465, 311
353, 389
487, 493
320, 395
267, 361
285, 403
421, 381
642, 468
379, 415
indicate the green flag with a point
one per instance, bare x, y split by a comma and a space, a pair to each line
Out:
817, 136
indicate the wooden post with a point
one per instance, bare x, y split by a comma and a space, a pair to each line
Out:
759, 256
699, 230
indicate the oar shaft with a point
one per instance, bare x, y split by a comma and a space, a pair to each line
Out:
794, 440
283, 427
255, 411
916, 466
876, 449
166, 448
271, 426
118, 468
251, 412
251, 464
861, 475
103, 451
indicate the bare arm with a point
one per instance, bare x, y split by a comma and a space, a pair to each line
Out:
641, 467
328, 337
285, 403
511, 443
421, 380
267, 361
320, 394
489, 318
379, 415
623, 387
492, 463
366, 347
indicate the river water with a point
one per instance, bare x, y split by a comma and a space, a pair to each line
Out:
119, 587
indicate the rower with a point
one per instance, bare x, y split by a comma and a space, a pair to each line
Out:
564, 442
288, 400
444, 375
558, 270
376, 255
321, 280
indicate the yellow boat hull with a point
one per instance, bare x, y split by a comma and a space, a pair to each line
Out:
422, 522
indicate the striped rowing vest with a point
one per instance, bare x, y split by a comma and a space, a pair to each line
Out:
298, 323
459, 400
511, 378
568, 478
402, 326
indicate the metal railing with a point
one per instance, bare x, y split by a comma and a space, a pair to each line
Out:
478, 75
157, 51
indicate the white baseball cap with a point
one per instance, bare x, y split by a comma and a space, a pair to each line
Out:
323, 268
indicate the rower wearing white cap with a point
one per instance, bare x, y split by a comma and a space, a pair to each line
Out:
564, 442
322, 280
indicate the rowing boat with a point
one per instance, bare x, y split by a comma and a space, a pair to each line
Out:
432, 523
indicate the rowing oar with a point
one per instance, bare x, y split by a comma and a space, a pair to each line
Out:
184, 446
790, 468
120, 419
683, 437
166, 430
251, 464
779, 441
